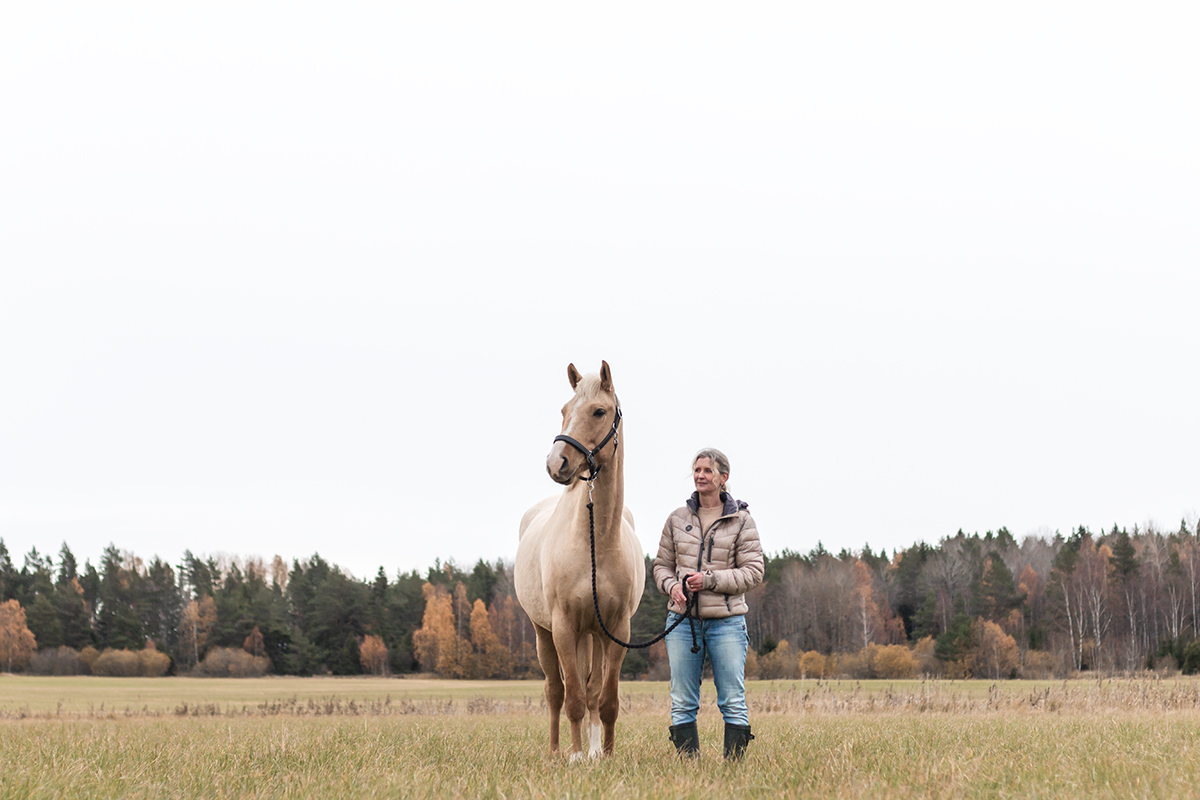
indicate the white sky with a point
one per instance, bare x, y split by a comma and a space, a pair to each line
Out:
295, 277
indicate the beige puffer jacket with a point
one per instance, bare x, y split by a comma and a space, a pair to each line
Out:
728, 554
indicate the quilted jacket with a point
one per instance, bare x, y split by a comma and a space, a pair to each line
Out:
728, 555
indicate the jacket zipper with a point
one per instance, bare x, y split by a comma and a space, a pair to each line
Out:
700, 555
705, 534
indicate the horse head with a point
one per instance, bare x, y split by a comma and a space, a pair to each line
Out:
590, 420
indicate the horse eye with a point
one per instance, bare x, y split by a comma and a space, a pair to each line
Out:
599, 412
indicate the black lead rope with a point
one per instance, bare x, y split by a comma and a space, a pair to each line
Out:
594, 469
692, 600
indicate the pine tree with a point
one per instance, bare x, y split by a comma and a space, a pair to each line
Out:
44, 623
993, 590
1125, 563
72, 612
7, 574
67, 566
482, 583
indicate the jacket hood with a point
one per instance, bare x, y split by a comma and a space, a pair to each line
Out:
731, 506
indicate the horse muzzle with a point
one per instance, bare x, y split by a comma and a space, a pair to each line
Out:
558, 463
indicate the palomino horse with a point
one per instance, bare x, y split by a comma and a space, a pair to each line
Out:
553, 571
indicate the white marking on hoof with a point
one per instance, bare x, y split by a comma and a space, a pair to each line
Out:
595, 737
576, 757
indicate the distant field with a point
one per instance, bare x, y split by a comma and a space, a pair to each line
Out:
82, 695
33, 696
425, 738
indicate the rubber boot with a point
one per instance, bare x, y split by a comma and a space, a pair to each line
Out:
736, 739
686, 738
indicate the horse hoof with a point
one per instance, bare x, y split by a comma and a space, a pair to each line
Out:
576, 757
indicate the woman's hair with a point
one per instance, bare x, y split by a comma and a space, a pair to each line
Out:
719, 460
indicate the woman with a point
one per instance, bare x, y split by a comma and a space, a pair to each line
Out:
710, 546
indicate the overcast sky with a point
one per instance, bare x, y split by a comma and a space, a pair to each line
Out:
285, 278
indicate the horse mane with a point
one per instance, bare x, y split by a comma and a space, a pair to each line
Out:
588, 387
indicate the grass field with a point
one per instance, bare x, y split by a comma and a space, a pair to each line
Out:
289, 737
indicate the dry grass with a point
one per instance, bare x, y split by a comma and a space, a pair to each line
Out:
1002, 754
884, 740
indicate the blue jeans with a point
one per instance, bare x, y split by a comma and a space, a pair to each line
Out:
724, 642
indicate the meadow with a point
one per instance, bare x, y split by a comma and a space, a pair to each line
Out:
371, 737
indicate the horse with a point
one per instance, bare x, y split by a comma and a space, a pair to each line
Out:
553, 570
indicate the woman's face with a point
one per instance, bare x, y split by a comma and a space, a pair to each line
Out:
705, 476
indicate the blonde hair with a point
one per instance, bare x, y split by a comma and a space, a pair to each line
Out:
719, 461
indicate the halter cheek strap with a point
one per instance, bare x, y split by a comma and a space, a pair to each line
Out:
590, 455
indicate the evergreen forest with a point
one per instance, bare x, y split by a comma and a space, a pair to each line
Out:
1111, 602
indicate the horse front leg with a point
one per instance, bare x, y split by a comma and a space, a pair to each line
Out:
594, 682
610, 698
566, 642
548, 660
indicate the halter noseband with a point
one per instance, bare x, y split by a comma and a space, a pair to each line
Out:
590, 455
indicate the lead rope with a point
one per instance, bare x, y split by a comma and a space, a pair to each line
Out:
692, 599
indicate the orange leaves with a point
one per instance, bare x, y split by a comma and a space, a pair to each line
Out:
459, 640
373, 654
993, 652
874, 619
254, 642
436, 642
17, 642
197, 620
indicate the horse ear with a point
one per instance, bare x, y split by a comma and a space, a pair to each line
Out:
605, 377
573, 375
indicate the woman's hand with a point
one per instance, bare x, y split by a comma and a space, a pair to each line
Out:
694, 581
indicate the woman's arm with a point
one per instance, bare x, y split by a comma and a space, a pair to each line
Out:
664, 565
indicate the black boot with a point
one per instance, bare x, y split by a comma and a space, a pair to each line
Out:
686, 738
736, 739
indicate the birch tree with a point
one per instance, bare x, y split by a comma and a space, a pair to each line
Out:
17, 642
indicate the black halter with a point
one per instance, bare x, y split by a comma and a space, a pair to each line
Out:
590, 455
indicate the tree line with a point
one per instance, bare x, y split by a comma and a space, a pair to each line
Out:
986, 606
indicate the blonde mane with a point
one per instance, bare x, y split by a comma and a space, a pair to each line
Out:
589, 387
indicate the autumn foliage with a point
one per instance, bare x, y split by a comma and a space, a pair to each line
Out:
197, 620
437, 645
373, 654
230, 662
17, 642
145, 663
253, 643
993, 652
453, 647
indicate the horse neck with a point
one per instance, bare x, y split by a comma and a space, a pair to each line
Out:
608, 498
